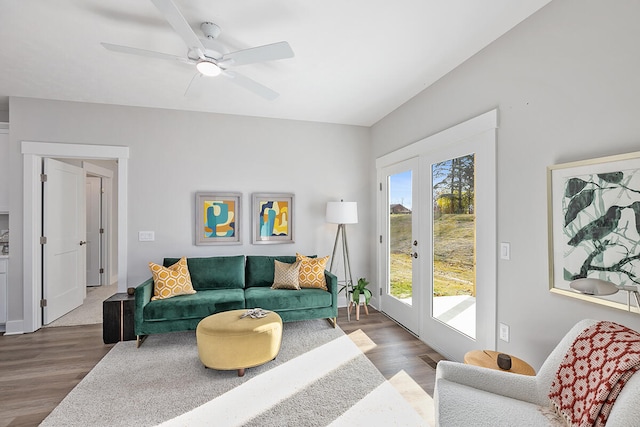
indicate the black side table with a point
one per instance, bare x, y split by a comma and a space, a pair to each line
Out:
118, 318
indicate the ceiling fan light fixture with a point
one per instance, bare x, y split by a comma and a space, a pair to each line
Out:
208, 68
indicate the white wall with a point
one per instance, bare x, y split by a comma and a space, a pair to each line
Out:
566, 84
173, 154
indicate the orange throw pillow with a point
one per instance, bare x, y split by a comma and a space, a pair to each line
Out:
312, 272
171, 281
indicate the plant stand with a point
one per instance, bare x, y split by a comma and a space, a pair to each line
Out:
362, 301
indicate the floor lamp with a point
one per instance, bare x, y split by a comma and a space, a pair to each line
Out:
343, 213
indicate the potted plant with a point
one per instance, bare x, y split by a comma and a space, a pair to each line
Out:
361, 289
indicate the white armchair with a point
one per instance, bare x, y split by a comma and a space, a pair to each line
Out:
467, 395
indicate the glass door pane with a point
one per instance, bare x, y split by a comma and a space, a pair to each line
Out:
454, 243
400, 237
401, 293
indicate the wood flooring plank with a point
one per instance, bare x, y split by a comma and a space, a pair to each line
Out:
38, 370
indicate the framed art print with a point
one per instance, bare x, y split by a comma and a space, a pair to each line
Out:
272, 218
594, 225
218, 218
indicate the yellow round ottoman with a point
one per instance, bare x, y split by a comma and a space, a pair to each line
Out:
227, 341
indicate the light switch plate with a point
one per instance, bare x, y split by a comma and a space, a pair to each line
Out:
505, 250
504, 332
146, 236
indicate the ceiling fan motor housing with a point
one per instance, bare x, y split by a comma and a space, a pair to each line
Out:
210, 30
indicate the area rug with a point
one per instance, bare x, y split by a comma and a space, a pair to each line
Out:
320, 378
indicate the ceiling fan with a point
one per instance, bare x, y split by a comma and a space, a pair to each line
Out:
209, 55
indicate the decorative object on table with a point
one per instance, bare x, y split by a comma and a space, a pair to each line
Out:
504, 361
491, 359
359, 293
272, 218
594, 225
342, 213
255, 313
131, 291
218, 218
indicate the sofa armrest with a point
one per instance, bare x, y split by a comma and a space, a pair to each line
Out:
515, 386
332, 286
143, 294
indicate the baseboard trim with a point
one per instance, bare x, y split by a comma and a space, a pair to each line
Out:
14, 327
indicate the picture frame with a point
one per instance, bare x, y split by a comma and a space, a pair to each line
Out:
594, 225
272, 216
218, 218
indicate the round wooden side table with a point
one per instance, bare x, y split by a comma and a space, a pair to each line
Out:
488, 359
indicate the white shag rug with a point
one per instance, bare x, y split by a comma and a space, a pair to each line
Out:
320, 378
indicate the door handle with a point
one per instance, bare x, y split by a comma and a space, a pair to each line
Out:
415, 243
415, 254
82, 242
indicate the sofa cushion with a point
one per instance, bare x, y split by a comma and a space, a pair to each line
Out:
196, 306
285, 299
260, 269
171, 281
223, 272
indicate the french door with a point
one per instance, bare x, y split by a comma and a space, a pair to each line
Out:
401, 290
438, 244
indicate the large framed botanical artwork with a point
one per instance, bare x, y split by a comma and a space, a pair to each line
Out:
594, 225
272, 218
218, 218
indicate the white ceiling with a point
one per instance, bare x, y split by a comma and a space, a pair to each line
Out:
355, 61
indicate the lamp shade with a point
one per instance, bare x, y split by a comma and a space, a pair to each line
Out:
342, 212
591, 286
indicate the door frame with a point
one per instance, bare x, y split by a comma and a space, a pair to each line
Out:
32, 154
483, 129
107, 203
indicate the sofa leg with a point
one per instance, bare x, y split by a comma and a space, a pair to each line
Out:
140, 339
332, 321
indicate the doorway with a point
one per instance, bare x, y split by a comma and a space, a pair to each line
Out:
446, 241
33, 153
97, 247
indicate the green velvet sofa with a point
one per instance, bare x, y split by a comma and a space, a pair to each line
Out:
229, 283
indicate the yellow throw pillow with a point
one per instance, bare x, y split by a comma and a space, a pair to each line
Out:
171, 281
286, 276
312, 272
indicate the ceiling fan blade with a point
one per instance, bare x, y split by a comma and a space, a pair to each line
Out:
251, 85
143, 52
269, 52
196, 86
180, 25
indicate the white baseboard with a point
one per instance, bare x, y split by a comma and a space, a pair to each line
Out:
14, 327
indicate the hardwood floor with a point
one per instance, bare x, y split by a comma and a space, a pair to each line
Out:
38, 370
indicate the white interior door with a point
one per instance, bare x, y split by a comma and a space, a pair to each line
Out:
401, 296
64, 255
94, 225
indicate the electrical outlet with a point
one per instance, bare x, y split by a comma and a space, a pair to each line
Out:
504, 332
